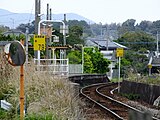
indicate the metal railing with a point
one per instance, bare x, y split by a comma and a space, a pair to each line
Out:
55, 66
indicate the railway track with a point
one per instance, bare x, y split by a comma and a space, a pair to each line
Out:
114, 109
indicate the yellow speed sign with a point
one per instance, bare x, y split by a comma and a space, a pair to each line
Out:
39, 42
120, 52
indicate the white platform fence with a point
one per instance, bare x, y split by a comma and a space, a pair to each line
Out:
55, 66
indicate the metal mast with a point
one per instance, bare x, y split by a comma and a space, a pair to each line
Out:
157, 46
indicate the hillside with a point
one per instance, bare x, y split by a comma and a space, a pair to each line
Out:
12, 20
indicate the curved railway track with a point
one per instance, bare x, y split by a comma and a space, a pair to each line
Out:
114, 109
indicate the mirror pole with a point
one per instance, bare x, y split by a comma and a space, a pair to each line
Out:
21, 92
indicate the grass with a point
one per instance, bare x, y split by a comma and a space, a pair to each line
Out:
153, 79
3, 114
116, 80
47, 97
131, 96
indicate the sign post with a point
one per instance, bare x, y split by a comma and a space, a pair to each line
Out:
150, 67
119, 53
15, 54
21, 92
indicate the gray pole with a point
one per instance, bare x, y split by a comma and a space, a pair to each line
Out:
107, 39
64, 29
37, 19
47, 17
157, 46
47, 39
50, 12
82, 59
37, 14
50, 39
27, 31
39, 10
64, 36
119, 74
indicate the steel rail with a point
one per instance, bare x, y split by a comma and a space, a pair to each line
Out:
82, 91
99, 104
130, 107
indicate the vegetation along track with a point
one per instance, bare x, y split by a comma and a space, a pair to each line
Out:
113, 108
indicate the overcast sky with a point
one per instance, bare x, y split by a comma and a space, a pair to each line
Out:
104, 11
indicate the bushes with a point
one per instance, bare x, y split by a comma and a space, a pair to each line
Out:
47, 96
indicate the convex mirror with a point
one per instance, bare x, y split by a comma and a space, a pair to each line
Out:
15, 53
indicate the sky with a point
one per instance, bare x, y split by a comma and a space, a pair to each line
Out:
99, 11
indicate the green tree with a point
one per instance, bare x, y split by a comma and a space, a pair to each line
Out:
100, 64
127, 26
75, 57
134, 61
93, 60
31, 26
155, 27
76, 30
3, 28
144, 26
137, 40
88, 65
75, 33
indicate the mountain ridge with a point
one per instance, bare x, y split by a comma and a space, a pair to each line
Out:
12, 19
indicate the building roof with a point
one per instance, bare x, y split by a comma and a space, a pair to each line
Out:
103, 43
13, 32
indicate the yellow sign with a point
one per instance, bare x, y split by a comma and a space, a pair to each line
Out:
39, 42
149, 66
120, 52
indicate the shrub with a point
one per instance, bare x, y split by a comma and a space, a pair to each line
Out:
46, 96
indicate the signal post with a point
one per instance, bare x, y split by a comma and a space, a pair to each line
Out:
119, 54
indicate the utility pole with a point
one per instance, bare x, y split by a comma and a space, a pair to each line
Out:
37, 14
47, 39
47, 17
37, 19
65, 28
50, 12
50, 39
157, 46
106, 39
64, 37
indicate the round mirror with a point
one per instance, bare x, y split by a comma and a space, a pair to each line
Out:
16, 55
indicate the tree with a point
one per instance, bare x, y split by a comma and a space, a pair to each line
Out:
135, 61
3, 28
155, 27
31, 26
100, 64
88, 65
127, 26
144, 26
93, 60
137, 40
75, 33
75, 57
